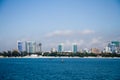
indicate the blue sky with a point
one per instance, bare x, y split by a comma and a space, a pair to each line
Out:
89, 23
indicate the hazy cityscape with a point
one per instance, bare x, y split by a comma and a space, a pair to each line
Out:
31, 48
59, 39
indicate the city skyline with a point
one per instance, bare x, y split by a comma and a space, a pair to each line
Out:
33, 47
88, 23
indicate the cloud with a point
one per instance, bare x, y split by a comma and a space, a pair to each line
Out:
87, 31
61, 33
96, 40
83, 38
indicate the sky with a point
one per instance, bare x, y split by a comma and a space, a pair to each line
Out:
89, 23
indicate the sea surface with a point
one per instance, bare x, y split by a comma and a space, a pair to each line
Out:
59, 69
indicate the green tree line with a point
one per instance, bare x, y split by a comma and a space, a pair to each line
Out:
56, 54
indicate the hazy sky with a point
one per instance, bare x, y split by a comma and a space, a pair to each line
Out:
89, 23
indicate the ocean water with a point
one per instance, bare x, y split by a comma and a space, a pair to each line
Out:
59, 69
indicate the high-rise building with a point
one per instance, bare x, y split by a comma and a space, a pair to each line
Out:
107, 49
112, 47
117, 43
20, 46
30, 46
117, 46
74, 48
40, 47
60, 47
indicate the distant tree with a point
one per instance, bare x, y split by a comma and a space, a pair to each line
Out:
1, 54
9, 54
24, 53
39, 53
15, 53
92, 54
46, 54
5, 54
53, 54
71, 55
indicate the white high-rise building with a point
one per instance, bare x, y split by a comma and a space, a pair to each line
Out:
30, 46
107, 49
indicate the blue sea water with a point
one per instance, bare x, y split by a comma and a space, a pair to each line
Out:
59, 69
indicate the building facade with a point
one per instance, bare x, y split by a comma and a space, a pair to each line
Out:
95, 51
30, 46
107, 49
20, 46
74, 48
60, 48
113, 47
53, 50
117, 46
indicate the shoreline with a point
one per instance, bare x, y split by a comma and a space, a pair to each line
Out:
62, 57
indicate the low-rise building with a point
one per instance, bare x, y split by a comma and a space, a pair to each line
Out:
95, 51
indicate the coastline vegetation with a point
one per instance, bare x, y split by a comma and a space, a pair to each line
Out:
57, 54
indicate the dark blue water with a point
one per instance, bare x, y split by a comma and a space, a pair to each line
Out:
56, 69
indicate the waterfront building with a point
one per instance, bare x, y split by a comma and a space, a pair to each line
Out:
85, 50
95, 51
53, 50
117, 43
107, 49
60, 48
117, 46
112, 47
74, 48
30, 46
81, 50
40, 47
20, 46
